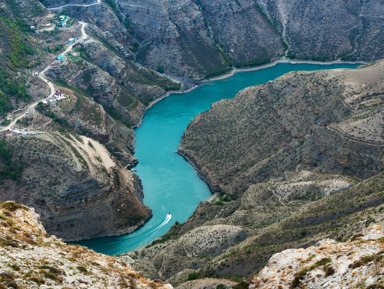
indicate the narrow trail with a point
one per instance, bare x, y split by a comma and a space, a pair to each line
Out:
75, 5
30, 107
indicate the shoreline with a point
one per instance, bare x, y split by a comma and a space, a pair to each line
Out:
276, 62
214, 189
236, 70
160, 98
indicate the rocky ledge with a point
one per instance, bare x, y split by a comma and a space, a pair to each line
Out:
30, 258
357, 263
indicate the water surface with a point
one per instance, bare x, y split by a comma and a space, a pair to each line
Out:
170, 183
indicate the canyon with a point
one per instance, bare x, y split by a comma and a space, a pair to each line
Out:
290, 162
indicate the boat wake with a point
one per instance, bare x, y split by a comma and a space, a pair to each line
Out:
154, 230
166, 221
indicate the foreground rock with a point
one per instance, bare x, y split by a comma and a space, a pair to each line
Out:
30, 258
357, 263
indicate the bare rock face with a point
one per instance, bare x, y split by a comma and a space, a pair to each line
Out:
175, 36
326, 121
328, 264
328, 30
200, 39
76, 186
30, 258
242, 30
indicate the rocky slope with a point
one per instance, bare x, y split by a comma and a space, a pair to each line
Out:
30, 258
318, 173
207, 283
71, 163
357, 263
326, 121
324, 30
120, 85
199, 39
78, 187
267, 226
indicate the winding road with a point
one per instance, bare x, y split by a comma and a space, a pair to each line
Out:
30, 107
78, 5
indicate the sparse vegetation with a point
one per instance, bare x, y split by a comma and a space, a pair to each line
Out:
8, 168
11, 91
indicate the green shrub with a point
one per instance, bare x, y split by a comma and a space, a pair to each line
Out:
241, 285
193, 276
12, 206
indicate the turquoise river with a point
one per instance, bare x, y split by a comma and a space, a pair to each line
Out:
170, 183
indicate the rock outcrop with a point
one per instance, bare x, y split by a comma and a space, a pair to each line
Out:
76, 186
30, 258
328, 264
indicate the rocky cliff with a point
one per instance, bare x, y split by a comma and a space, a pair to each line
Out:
199, 39
31, 258
76, 186
328, 264
328, 30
